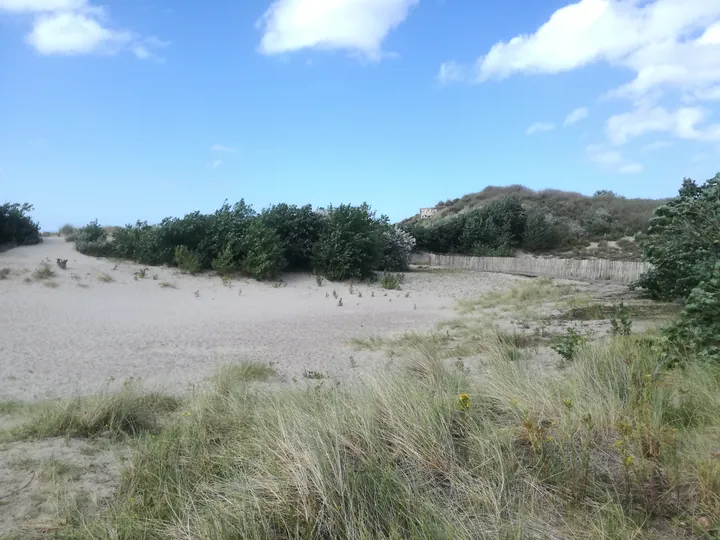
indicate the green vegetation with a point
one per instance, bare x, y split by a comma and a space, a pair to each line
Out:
392, 281
128, 413
44, 271
499, 220
340, 243
619, 445
16, 226
683, 243
66, 230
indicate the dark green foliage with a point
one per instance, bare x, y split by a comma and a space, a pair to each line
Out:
699, 325
397, 249
683, 241
299, 228
540, 234
620, 323
16, 226
264, 251
351, 243
392, 281
93, 240
225, 264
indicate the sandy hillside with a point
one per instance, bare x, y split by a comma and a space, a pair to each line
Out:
74, 333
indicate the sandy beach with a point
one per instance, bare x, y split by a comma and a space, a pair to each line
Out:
75, 334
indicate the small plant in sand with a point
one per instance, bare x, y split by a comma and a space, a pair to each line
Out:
327, 295
313, 375
569, 344
155, 277
142, 273
340, 303
4, 273
319, 280
62, 264
351, 290
197, 293
359, 294
407, 295
51, 284
44, 271
105, 278
335, 294
392, 281
167, 285
372, 294
620, 323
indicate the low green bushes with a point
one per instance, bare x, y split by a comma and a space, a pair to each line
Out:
344, 242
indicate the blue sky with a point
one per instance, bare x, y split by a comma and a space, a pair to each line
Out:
142, 109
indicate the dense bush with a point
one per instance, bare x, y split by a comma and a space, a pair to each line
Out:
683, 244
683, 241
16, 226
351, 243
93, 240
398, 247
341, 243
299, 229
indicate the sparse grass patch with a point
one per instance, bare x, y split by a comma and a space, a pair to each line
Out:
10, 406
105, 278
51, 284
313, 375
232, 375
44, 271
128, 412
596, 312
167, 285
391, 281
525, 293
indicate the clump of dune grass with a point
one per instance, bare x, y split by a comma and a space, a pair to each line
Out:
130, 412
105, 278
525, 293
233, 375
44, 271
167, 285
617, 446
4, 273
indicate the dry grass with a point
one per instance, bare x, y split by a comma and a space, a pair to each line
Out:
611, 449
44, 271
167, 285
525, 293
105, 278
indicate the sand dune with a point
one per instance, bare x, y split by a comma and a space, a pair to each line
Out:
85, 334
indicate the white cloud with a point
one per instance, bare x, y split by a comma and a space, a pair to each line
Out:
74, 27
574, 117
539, 127
41, 5
611, 159
683, 123
222, 148
657, 145
355, 25
452, 72
215, 164
73, 33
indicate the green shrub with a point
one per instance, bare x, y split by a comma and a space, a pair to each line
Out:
187, 260
568, 345
299, 229
683, 241
224, 264
264, 251
16, 226
92, 240
350, 245
397, 250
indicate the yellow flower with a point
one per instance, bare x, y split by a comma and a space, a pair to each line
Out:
464, 401
568, 403
629, 460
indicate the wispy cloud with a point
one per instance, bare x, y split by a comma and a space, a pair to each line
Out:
223, 148
611, 159
574, 117
657, 145
215, 164
539, 127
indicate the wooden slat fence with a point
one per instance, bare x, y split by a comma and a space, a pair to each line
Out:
584, 270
